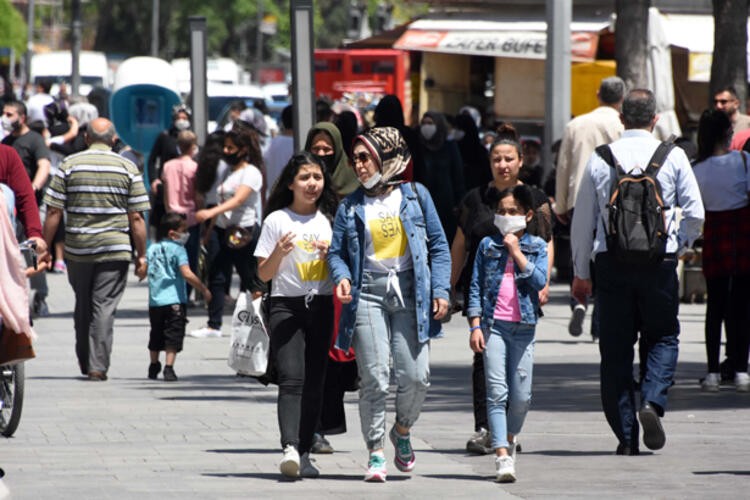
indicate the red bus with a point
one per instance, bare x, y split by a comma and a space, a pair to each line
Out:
363, 73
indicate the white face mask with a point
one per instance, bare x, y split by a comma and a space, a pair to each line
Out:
510, 223
428, 130
372, 181
8, 124
182, 239
182, 124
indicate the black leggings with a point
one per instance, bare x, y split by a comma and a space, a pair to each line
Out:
300, 337
728, 302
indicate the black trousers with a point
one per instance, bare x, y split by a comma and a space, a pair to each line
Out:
300, 337
728, 303
633, 300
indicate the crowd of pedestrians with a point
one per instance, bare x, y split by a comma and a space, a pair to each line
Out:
366, 240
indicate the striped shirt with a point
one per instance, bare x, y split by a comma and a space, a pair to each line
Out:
97, 188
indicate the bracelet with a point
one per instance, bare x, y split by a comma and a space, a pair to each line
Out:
471, 330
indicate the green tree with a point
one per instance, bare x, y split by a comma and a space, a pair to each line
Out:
729, 64
12, 28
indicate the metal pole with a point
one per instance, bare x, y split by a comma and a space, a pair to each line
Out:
154, 28
75, 73
198, 76
557, 74
29, 41
303, 78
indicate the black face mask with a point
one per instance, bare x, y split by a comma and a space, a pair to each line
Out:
327, 161
234, 158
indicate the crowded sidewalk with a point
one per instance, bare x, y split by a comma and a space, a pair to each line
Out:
215, 435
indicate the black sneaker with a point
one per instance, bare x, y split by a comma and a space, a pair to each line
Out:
153, 370
169, 374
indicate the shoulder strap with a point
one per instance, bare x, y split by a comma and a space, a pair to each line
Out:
413, 186
659, 157
605, 153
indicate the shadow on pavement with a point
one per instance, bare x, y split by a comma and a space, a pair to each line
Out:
246, 450
460, 477
717, 472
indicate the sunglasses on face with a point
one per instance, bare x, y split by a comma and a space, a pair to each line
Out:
362, 157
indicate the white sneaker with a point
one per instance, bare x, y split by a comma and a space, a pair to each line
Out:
205, 332
505, 470
376, 470
575, 327
307, 468
711, 382
289, 465
742, 382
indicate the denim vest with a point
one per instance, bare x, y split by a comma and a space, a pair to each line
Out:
489, 267
429, 252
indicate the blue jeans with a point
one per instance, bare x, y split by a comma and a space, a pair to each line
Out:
384, 328
508, 368
635, 300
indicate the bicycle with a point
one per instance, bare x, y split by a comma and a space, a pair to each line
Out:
12, 377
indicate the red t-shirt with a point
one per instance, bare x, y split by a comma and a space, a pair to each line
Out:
13, 173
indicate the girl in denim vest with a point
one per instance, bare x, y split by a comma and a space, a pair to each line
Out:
509, 270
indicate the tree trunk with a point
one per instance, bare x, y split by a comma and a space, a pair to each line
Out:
631, 41
729, 65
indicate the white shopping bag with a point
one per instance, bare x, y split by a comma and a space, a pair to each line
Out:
248, 348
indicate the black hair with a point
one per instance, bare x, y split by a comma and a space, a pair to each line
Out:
506, 134
287, 117
714, 128
244, 136
237, 105
169, 222
281, 196
521, 193
638, 109
19, 106
208, 161
728, 88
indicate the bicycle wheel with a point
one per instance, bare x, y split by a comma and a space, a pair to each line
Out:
11, 398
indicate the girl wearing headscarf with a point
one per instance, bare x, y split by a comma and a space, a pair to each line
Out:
443, 169
476, 158
390, 113
324, 141
390, 262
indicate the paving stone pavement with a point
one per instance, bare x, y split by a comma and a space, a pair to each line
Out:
214, 435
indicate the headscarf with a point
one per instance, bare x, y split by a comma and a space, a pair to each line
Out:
389, 113
390, 153
344, 179
437, 141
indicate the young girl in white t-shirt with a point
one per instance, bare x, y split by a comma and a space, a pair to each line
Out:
291, 251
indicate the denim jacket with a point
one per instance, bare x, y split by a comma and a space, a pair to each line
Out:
489, 267
429, 252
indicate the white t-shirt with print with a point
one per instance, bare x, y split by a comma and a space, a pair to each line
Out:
303, 270
387, 246
246, 214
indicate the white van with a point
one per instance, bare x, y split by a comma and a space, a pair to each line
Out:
58, 65
221, 70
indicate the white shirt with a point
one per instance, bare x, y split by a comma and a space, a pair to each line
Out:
246, 214
35, 108
678, 187
387, 246
279, 152
724, 181
303, 271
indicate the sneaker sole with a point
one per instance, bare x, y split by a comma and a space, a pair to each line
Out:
743, 388
508, 477
376, 477
575, 327
653, 432
710, 388
289, 469
309, 474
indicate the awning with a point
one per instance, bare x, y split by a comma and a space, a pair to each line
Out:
518, 39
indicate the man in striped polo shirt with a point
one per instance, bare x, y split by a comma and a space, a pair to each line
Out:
103, 197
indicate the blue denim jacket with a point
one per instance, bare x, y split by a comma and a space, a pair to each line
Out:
429, 252
489, 267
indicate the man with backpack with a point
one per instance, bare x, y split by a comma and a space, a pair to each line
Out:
625, 221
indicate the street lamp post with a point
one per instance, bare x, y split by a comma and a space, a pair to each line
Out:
303, 78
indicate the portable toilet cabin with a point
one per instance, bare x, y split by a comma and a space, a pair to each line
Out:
143, 95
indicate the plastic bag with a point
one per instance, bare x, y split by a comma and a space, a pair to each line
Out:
249, 345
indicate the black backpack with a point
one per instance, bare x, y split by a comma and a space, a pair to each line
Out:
636, 232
